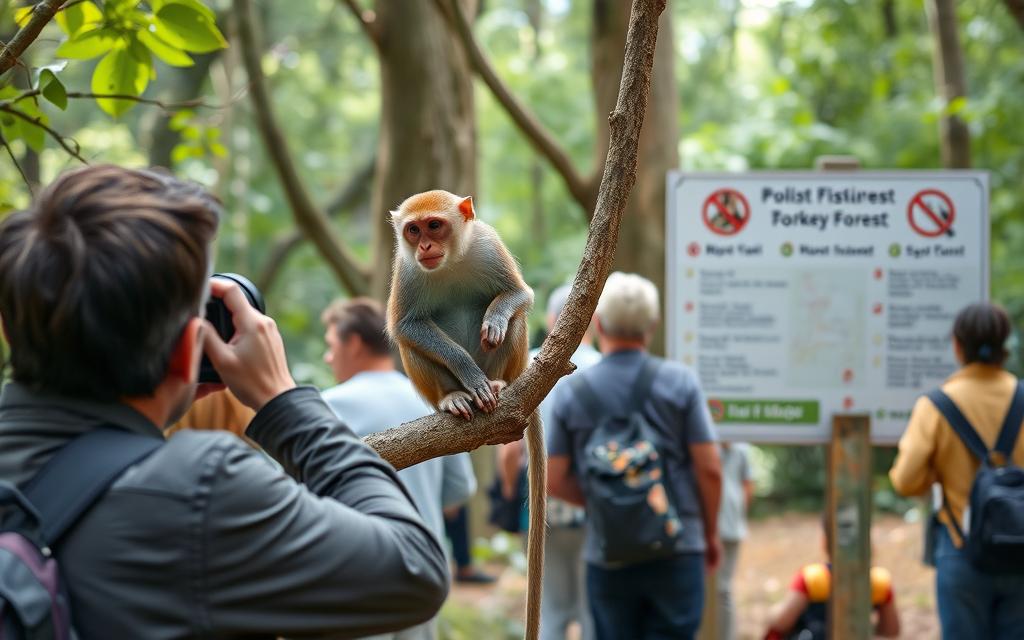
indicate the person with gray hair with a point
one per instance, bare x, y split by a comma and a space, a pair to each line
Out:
563, 598
653, 590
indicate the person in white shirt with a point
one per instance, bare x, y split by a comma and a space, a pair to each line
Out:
371, 396
737, 493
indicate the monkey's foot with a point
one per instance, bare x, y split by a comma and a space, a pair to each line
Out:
457, 403
497, 386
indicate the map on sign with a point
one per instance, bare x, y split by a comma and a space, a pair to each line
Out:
796, 296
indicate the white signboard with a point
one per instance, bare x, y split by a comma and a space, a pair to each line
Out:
796, 296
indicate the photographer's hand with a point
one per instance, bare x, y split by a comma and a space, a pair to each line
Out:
253, 363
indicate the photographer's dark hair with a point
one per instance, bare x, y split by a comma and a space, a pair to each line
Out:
981, 330
99, 277
363, 317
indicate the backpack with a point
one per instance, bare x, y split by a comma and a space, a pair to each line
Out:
34, 604
994, 540
624, 478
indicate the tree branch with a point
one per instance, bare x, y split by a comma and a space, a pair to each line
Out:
367, 19
308, 217
346, 197
42, 13
17, 165
75, 151
582, 189
442, 434
166, 106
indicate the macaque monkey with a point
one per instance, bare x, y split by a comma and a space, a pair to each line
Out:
458, 311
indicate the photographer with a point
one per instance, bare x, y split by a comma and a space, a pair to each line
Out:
103, 282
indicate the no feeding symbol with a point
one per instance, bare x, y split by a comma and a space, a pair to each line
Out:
931, 213
726, 212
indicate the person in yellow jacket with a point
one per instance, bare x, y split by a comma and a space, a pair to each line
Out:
971, 604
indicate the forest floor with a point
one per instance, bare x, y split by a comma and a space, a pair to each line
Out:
774, 551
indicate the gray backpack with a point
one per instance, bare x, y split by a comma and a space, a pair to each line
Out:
624, 477
33, 603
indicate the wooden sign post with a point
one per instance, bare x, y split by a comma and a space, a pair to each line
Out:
849, 527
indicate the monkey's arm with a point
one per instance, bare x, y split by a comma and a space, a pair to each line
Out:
504, 306
427, 339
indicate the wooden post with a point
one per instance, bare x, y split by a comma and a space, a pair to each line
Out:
849, 527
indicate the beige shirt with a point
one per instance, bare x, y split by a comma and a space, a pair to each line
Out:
930, 451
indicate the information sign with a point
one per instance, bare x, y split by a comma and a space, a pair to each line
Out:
799, 295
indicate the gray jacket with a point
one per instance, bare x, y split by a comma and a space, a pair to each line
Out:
207, 539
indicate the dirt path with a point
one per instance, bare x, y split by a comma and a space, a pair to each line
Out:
774, 552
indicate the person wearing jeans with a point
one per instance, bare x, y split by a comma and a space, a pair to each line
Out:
972, 604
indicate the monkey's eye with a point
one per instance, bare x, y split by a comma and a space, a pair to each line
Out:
434, 225
412, 230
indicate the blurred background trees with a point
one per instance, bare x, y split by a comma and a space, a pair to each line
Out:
368, 102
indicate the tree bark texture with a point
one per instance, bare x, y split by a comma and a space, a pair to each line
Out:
308, 217
438, 434
42, 13
428, 126
642, 242
950, 83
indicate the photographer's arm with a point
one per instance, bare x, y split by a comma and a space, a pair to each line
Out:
334, 544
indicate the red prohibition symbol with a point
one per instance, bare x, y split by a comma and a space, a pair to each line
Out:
931, 213
726, 212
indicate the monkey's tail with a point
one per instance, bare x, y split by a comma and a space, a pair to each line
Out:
538, 474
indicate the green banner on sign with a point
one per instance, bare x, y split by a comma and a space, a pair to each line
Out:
758, 411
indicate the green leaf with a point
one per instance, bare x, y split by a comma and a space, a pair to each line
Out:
119, 72
182, 26
218, 150
53, 89
88, 44
180, 119
77, 17
22, 15
170, 55
194, 4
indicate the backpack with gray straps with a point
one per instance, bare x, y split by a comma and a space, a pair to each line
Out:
994, 537
624, 476
33, 602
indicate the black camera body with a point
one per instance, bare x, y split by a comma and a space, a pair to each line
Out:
219, 316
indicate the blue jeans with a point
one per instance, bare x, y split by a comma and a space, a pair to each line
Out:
973, 604
654, 600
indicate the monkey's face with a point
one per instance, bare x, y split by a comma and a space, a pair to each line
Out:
430, 239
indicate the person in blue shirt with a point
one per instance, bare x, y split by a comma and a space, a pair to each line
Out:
661, 598
372, 396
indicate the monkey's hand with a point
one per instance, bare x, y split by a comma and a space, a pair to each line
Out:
492, 332
479, 389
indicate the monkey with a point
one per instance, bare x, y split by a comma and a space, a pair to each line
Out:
457, 311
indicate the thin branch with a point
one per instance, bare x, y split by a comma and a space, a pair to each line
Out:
17, 165
61, 140
42, 13
438, 434
166, 106
308, 217
367, 20
582, 189
282, 249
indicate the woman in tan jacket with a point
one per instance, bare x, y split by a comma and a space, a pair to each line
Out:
972, 604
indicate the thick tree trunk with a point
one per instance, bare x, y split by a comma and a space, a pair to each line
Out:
1016, 9
642, 239
427, 131
949, 82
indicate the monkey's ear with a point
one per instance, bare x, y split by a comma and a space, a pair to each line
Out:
466, 208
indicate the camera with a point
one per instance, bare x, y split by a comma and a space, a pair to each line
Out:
219, 316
